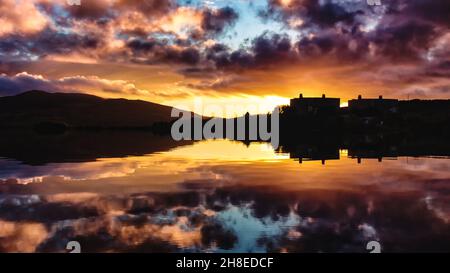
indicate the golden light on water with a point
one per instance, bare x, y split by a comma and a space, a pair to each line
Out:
225, 150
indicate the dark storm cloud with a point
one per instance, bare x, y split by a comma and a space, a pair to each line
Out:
316, 13
47, 42
154, 51
266, 49
270, 48
215, 21
329, 14
407, 40
140, 45
188, 56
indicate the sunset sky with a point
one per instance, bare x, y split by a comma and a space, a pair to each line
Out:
226, 52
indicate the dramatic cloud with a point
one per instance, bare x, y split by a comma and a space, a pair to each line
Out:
215, 21
240, 46
265, 50
316, 13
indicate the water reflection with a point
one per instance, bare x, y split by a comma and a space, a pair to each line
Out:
223, 196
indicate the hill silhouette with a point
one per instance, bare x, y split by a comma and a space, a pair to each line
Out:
79, 110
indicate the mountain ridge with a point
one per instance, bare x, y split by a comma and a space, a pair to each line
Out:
79, 110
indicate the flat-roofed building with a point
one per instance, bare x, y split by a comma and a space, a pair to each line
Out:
315, 106
373, 105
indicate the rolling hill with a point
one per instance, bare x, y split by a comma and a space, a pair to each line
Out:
79, 110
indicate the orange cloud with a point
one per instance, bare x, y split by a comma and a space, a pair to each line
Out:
21, 17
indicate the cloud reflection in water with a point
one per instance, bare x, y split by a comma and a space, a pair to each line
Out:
221, 196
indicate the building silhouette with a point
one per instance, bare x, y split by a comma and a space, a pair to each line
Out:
373, 106
315, 106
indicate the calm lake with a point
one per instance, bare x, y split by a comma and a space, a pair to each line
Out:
221, 196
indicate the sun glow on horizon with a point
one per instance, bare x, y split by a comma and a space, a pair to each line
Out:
231, 106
